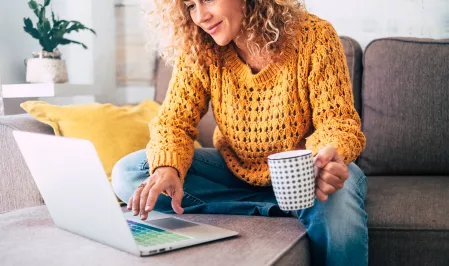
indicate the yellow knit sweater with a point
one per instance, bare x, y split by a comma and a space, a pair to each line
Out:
304, 100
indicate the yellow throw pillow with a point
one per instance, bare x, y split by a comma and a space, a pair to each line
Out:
115, 131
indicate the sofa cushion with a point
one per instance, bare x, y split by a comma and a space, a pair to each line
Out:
408, 247
17, 187
262, 241
405, 97
408, 202
408, 220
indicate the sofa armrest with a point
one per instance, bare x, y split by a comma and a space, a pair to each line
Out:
17, 187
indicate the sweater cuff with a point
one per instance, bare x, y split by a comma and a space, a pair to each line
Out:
344, 151
167, 158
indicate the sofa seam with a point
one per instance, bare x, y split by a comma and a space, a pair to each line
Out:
396, 39
416, 41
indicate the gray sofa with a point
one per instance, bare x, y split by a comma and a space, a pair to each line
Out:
401, 90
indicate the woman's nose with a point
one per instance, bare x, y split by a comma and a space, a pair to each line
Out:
202, 14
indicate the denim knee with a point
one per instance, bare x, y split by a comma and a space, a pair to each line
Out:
345, 204
349, 200
358, 179
340, 223
128, 173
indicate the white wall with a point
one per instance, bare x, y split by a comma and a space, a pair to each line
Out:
135, 63
15, 46
365, 20
96, 65
93, 66
104, 48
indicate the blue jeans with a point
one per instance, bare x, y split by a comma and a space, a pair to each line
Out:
337, 228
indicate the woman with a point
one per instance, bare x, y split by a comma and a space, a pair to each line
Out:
277, 80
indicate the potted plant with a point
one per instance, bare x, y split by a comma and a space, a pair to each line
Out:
47, 65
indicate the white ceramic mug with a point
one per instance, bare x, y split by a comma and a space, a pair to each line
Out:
293, 179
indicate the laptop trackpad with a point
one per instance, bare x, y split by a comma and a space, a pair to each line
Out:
171, 223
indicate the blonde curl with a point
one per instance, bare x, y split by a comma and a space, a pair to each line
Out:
267, 23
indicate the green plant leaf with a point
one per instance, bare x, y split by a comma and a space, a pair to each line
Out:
44, 47
30, 29
50, 31
61, 24
42, 16
44, 30
58, 32
67, 41
32, 4
46, 25
53, 19
28, 23
77, 26
34, 33
64, 24
56, 24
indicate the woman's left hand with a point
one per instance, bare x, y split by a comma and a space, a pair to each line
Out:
330, 172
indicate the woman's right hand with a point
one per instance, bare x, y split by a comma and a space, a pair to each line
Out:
163, 179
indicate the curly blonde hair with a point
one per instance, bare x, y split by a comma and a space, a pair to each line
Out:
267, 23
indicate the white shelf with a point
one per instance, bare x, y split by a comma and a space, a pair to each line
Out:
46, 90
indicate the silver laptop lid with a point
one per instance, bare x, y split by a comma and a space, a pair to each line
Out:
68, 173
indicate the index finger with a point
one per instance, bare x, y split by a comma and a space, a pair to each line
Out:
155, 191
136, 198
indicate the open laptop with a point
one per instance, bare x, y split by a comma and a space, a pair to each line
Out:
79, 197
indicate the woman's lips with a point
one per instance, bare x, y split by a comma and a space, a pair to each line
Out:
214, 29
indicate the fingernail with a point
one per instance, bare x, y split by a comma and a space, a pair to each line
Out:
142, 217
135, 213
147, 208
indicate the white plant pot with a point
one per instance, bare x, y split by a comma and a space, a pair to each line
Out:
46, 70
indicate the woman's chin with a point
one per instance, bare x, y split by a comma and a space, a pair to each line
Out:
221, 41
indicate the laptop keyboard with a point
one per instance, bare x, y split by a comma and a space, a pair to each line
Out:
146, 235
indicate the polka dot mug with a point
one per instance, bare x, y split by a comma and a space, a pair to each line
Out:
293, 179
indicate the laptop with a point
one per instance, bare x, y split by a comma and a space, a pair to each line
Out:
69, 174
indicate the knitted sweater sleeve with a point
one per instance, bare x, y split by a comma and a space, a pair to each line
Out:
174, 129
335, 119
